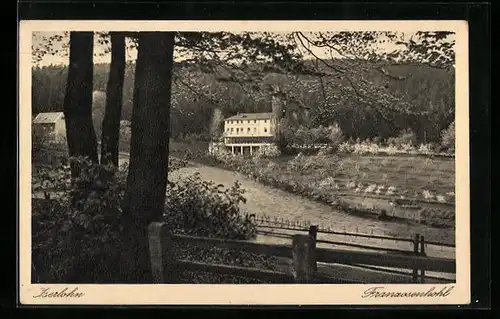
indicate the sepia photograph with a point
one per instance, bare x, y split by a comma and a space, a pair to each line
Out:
243, 156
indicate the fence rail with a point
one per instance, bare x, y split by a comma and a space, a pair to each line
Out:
266, 222
303, 252
247, 272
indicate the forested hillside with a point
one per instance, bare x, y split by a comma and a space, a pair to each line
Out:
309, 100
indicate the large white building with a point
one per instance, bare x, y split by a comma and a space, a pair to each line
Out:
246, 132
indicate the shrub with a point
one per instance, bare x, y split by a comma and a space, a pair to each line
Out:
365, 148
302, 163
77, 231
345, 147
76, 234
426, 149
268, 151
405, 137
46, 149
448, 137
407, 148
202, 208
220, 153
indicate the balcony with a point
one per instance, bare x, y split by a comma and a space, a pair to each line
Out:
249, 140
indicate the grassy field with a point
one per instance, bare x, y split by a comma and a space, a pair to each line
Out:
411, 174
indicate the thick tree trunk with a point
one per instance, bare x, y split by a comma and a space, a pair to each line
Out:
78, 100
114, 101
148, 166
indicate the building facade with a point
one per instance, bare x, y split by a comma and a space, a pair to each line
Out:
51, 124
247, 132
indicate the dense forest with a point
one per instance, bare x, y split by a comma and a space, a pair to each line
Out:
313, 100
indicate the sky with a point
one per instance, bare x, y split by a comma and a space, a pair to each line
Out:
40, 39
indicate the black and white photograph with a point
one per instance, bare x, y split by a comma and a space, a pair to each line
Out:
245, 157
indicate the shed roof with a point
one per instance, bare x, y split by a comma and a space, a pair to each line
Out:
49, 117
251, 116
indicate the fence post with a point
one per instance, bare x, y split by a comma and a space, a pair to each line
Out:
313, 232
422, 253
415, 250
304, 261
161, 254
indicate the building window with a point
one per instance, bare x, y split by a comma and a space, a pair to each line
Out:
265, 129
265, 121
232, 129
255, 121
248, 130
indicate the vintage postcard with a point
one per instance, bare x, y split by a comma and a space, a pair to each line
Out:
244, 162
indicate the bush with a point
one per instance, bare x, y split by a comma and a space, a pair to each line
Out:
345, 147
426, 149
46, 149
202, 208
405, 137
448, 137
335, 135
76, 234
268, 151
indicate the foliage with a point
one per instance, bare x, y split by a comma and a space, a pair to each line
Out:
47, 150
303, 135
76, 232
195, 96
405, 137
448, 137
202, 208
216, 125
268, 151
334, 135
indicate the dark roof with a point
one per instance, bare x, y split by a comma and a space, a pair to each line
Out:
49, 117
251, 116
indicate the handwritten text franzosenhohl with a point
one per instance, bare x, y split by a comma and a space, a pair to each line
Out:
383, 292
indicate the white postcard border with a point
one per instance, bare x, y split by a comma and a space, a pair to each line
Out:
337, 294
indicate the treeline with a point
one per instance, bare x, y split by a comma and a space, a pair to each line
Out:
312, 101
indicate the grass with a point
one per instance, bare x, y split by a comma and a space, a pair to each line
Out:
413, 174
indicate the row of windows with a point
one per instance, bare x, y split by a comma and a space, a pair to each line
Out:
238, 130
241, 121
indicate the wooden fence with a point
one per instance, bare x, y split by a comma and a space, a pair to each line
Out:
381, 152
308, 261
267, 222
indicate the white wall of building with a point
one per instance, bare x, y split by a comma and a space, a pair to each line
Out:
249, 128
